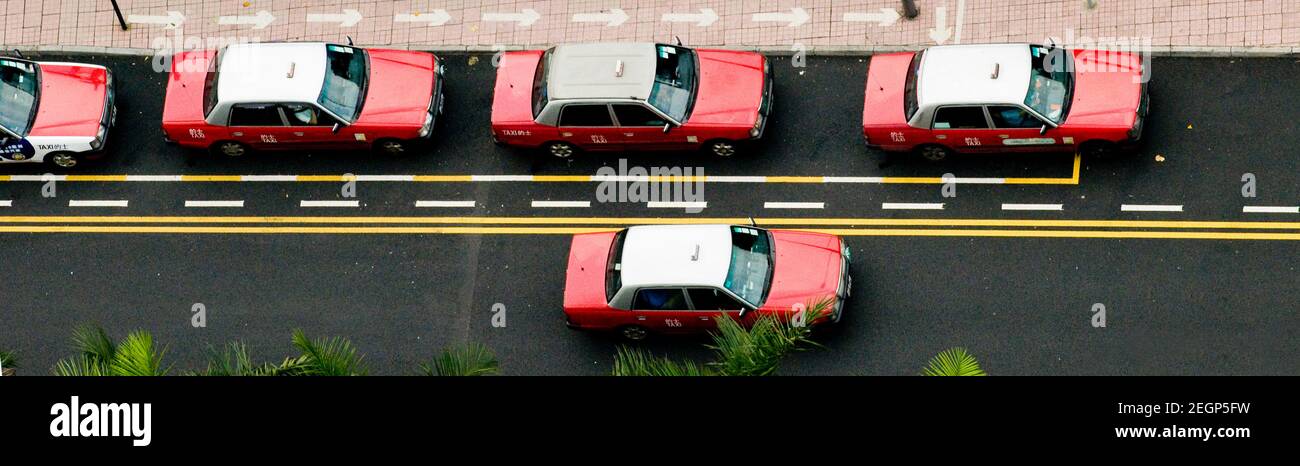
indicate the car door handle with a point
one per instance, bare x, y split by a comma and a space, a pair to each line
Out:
237, 134
705, 318
640, 317
297, 133
629, 134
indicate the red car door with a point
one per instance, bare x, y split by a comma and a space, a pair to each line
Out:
964, 128
589, 126
312, 128
1018, 130
710, 304
259, 125
643, 129
662, 310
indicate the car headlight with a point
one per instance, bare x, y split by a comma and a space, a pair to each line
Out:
98, 142
758, 127
428, 125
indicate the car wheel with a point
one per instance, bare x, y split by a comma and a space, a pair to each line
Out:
1099, 150
391, 147
634, 332
230, 149
562, 150
934, 153
63, 159
723, 148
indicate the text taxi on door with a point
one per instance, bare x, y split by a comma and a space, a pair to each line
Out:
681, 278
639, 96
1004, 98
302, 96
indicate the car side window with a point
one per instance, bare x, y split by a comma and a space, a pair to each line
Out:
660, 299
636, 115
585, 115
712, 299
306, 115
1009, 116
971, 117
256, 115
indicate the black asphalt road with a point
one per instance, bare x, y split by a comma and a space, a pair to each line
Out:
1021, 304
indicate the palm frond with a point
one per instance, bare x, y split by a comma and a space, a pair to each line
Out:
79, 366
953, 362
8, 360
333, 356
136, 355
471, 360
94, 343
635, 362
234, 361
759, 349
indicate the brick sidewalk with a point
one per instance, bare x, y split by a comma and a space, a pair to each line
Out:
1189, 26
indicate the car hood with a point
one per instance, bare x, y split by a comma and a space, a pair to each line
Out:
807, 269
1107, 89
882, 103
512, 96
400, 89
72, 100
730, 88
584, 279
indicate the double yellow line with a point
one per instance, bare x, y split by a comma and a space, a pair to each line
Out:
995, 228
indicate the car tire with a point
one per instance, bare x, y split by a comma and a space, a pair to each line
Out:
391, 147
934, 152
633, 332
1098, 150
722, 148
63, 160
561, 150
230, 149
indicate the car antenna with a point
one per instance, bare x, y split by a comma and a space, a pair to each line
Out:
19, 53
349, 40
752, 223
679, 40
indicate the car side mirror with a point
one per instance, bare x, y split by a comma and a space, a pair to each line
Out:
1043, 130
337, 127
668, 127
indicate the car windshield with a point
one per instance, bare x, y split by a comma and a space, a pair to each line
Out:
675, 78
751, 264
345, 81
1050, 83
18, 95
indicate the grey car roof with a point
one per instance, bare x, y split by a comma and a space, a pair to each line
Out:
590, 71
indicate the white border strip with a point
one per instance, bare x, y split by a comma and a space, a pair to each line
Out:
1150, 208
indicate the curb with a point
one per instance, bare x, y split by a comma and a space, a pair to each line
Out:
823, 50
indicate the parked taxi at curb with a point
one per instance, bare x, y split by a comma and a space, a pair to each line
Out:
1005, 98
302, 96
642, 96
54, 112
680, 278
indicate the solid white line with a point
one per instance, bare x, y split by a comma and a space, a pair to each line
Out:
501, 178
330, 204
677, 205
911, 206
977, 180
794, 205
38, 178
467, 204
1252, 209
214, 203
1150, 208
1033, 207
269, 178
737, 179
562, 204
76, 203
6, 203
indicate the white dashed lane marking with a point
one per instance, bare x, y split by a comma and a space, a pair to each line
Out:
1254, 209
1033, 207
330, 204
562, 204
77, 203
6, 203
1150, 208
911, 206
677, 205
214, 203
794, 205
451, 204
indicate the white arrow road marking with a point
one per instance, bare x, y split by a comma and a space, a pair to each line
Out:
456, 204
434, 18
76, 203
1255, 209
886, 17
705, 18
940, 32
795, 18
172, 20
1033, 207
346, 19
562, 204
214, 203
330, 204
615, 17
524, 18
794, 205
1150, 208
259, 21
911, 206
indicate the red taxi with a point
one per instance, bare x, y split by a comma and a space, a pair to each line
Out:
1004, 98
302, 96
631, 97
679, 278
54, 112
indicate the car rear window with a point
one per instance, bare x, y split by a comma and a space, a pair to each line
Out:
613, 268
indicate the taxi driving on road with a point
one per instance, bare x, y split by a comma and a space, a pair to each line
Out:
302, 96
680, 278
1004, 98
54, 112
631, 97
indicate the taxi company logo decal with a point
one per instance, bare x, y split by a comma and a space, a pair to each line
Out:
130, 420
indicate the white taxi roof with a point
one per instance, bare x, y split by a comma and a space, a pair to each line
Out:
592, 71
274, 72
963, 74
685, 255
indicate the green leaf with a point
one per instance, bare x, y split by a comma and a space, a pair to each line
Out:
329, 357
472, 360
635, 362
137, 356
953, 362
